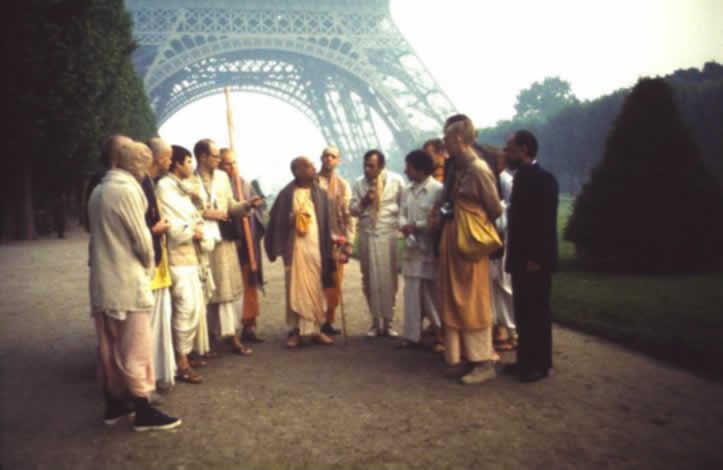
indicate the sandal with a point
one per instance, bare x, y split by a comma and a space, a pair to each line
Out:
211, 355
242, 350
504, 346
197, 362
189, 376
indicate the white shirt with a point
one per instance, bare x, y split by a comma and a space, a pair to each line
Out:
417, 203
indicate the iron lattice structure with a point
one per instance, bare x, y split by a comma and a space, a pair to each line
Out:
339, 62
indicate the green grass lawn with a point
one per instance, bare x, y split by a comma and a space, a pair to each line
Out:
675, 318
678, 318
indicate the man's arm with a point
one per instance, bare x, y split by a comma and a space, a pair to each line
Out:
349, 221
132, 207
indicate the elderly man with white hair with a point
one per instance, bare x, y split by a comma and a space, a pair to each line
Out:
120, 260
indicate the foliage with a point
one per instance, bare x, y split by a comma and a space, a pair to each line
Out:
649, 204
572, 140
74, 84
544, 99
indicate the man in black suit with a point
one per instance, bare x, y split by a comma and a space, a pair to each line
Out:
532, 254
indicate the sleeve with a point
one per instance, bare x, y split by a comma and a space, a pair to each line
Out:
490, 198
349, 221
403, 213
355, 207
132, 209
180, 231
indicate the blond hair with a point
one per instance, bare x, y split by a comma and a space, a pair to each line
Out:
463, 127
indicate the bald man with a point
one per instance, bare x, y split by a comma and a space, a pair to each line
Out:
299, 232
249, 254
120, 258
343, 228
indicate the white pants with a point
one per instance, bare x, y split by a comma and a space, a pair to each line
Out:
189, 308
164, 359
420, 300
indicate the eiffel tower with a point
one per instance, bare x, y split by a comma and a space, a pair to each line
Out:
342, 63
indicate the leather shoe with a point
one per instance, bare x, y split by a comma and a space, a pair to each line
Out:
534, 375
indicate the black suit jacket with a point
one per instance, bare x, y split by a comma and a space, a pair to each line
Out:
532, 220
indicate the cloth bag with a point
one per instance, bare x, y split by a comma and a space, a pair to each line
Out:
476, 236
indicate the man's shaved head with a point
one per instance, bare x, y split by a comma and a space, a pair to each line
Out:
159, 146
111, 149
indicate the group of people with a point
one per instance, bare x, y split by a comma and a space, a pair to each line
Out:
176, 264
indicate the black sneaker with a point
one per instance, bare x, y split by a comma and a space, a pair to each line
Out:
328, 329
116, 409
152, 419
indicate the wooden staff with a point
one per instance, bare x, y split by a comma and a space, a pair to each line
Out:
237, 184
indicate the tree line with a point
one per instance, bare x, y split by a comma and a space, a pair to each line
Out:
72, 84
572, 133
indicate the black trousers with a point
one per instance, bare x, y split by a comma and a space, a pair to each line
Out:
531, 299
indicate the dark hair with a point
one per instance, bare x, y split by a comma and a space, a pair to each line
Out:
526, 138
436, 144
178, 156
202, 147
420, 160
378, 153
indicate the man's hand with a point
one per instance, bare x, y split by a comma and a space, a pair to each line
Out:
407, 229
370, 197
215, 214
256, 201
532, 267
198, 233
161, 227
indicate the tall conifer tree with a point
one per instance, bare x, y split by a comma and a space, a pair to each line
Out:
650, 205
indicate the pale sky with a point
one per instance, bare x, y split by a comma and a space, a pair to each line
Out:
482, 54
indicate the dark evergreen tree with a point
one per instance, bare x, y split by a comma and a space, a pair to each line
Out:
651, 205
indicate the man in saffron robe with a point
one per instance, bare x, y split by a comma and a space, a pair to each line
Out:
249, 247
464, 283
299, 232
343, 228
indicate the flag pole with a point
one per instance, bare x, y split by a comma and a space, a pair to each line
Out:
253, 265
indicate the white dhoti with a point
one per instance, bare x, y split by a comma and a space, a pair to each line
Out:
223, 318
420, 300
378, 259
189, 309
164, 359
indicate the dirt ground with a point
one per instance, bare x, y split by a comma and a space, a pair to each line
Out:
366, 405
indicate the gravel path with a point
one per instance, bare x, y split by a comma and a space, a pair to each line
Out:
367, 405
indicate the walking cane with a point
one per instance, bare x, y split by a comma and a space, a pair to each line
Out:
338, 247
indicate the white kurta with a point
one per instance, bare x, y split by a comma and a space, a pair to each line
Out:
378, 244
420, 263
187, 294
